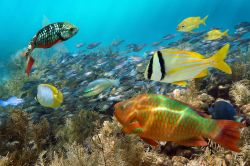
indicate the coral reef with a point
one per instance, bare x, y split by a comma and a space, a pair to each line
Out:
73, 135
78, 127
240, 92
109, 147
240, 71
21, 140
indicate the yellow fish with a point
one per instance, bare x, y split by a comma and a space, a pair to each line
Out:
215, 34
49, 96
191, 23
177, 66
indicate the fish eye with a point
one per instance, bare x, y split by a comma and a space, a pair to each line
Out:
71, 29
183, 26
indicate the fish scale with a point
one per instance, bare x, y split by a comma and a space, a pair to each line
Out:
159, 118
48, 35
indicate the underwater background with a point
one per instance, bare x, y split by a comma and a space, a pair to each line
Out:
70, 108
140, 21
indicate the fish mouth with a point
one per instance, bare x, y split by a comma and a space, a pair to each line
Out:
117, 107
116, 115
75, 31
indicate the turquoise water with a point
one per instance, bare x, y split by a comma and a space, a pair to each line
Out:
140, 21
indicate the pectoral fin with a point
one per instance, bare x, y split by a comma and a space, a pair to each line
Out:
180, 83
196, 141
150, 141
133, 127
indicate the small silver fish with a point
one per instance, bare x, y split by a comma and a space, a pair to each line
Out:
13, 101
96, 87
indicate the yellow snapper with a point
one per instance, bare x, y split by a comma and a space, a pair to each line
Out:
177, 66
215, 34
96, 87
49, 96
191, 23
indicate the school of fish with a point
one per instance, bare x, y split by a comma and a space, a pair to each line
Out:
152, 117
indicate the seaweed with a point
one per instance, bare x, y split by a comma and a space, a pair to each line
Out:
108, 147
21, 140
78, 127
240, 92
240, 71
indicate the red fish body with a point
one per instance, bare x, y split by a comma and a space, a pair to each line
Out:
159, 118
49, 36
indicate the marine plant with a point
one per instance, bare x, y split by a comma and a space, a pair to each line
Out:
193, 95
17, 76
21, 140
78, 127
109, 147
240, 71
240, 92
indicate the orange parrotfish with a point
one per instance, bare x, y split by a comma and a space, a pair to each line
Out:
156, 117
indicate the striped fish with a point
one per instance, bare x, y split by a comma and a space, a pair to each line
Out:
159, 118
177, 66
47, 37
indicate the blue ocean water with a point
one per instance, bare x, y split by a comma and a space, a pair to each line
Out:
139, 21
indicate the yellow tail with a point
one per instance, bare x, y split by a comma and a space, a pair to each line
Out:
203, 20
225, 33
217, 60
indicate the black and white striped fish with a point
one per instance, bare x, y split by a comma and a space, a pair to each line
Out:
178, 66
47, 37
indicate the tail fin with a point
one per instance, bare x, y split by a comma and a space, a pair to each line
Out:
3, 103
226, 33
29, 65
217, 60
203, 20
115, 82
228, 135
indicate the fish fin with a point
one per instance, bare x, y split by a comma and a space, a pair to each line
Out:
228, 135
202, 74
133, 127
225, 33
238, 118
58, 99
218, 60
203, 21
150, 141
196, 141
29, 65
24, 54
180, 83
